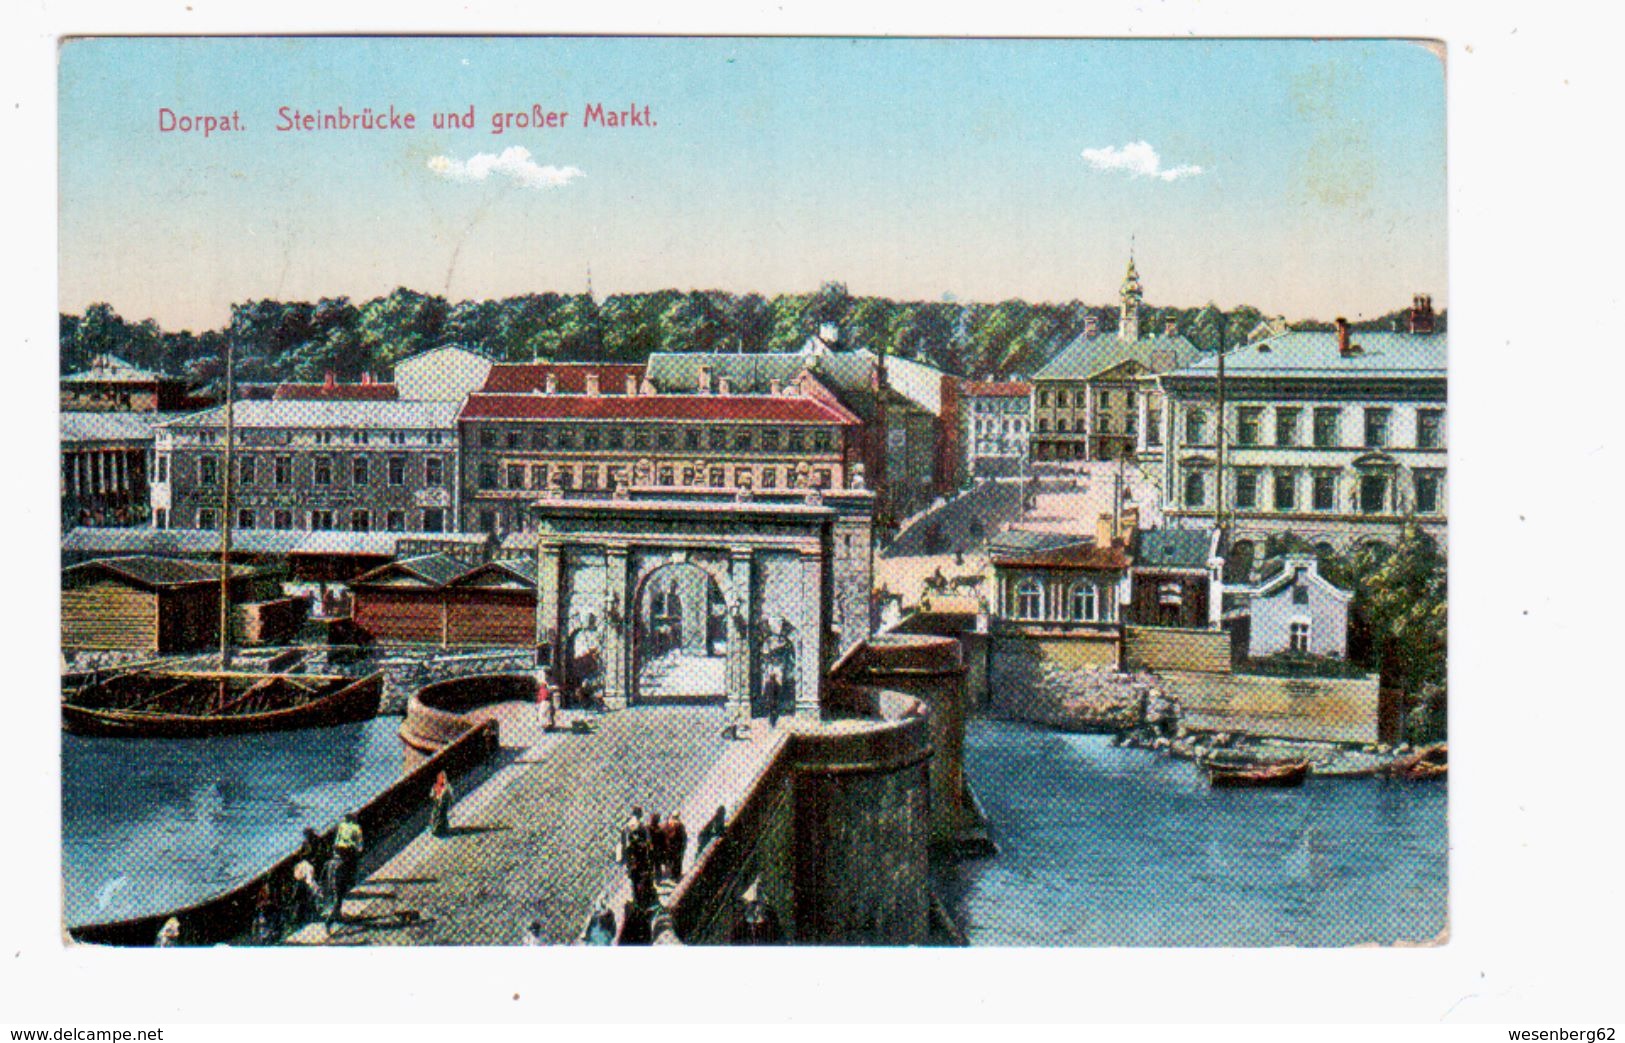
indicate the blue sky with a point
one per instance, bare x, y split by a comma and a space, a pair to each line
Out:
908, 168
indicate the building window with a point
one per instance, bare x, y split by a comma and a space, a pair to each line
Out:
1248, 419
1043, 425
538, 476
324, 438
1373, 493
488, 475
206, 518
1429, 428
360, 521
282, 470
691, 438
1043, 397
1196, 427
1428, 486
1084, 602
590, 438
360, 437
488, 521
1328, 421
397, 438
434, 471
488, 438
663, 439
516, 476
282, 520
615, 438
160, 518
1062, 398
321, 520
566, 478
245, 470
1195, 488
770, 478
395, 521
1300, 588
1246, 490
245, 518
1286, 490
1376, 428
322, 470
514, 438
1286, 426
359, 470
1325, 491
821, 479
640, 438
434, 437
742, 479
1062, 426
434, 519
770, 439
589, 478
1030, 600
1298, 636
664, 477
718, 478
397, 470
208, 470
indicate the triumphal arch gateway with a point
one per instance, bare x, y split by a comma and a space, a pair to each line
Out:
747, 599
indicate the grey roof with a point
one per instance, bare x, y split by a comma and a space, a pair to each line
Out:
80, 427
341, 414
110, 369
1087, 357
1020, 541
249, 541
1315, 354
1173, 548
146, 570
441, 569
1277, 572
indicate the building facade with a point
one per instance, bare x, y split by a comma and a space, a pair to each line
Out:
312, 465
1294, 610
1098, 399
112, 385
1340, 437
995, 427
520, 447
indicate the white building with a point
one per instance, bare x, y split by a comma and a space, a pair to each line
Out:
995, 427
1339, 437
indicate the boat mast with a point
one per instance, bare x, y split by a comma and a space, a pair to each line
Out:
225, 513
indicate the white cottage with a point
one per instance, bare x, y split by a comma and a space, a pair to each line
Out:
1295, 609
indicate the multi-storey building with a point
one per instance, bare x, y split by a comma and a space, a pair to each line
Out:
111, 385
517, 447
360, 466
1098, 398
1339, 437
995, 427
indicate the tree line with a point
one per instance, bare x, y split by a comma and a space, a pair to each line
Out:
303, 340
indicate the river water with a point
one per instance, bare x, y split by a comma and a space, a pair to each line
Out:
1106, 846
151, 824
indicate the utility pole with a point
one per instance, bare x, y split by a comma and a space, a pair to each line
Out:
225, 512
1218, 502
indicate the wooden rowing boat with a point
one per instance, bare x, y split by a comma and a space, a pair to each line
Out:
1258, 776
195, 705
1432, 762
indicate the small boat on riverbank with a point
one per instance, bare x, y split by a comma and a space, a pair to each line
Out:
1257, 776
195, 705
1432, 762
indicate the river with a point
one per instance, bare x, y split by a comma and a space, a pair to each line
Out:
151, 824
1103, 846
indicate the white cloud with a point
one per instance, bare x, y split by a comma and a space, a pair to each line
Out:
1139, 159
513, 163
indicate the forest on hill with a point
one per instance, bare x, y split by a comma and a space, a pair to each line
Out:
302, 340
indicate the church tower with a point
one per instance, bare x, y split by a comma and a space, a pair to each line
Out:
1128, 319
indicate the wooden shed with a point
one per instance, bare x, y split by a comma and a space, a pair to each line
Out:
146, 603
445, 600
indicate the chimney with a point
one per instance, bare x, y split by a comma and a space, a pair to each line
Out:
703, 381
1422, 313
722, 385
1104, 530
330, 380
631, 384
647, 387
1171, 327
829, 333
592, 382
551, 383
366, 377
1344, 348
774, 387
1091, 325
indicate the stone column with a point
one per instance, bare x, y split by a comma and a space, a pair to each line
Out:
550, 620
617, 616
814, 621
742, 633
1088, 421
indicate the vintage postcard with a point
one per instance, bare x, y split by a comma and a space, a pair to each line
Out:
753, 491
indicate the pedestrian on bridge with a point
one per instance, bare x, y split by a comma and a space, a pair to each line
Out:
440, 798
348, 844
547, 710
674, 846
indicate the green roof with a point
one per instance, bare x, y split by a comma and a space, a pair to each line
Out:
1173, 548
1381, 353
1088, 357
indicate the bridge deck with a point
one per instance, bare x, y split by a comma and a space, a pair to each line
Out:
535, 841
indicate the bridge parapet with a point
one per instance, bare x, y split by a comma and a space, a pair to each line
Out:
436, 714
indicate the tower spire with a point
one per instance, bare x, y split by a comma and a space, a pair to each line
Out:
1131, 296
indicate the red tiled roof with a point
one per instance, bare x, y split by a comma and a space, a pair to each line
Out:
337, 392
1076, 556
570, 378
780, 409
996, 388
